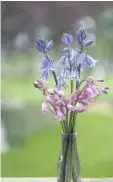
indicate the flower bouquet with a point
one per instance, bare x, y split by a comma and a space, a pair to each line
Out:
65, 107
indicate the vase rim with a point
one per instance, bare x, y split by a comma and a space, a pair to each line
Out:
67, 134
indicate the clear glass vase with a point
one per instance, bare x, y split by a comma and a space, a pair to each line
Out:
68, 169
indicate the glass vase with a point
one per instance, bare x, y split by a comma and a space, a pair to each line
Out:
68, 169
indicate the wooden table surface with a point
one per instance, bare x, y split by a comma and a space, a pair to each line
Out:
52, 180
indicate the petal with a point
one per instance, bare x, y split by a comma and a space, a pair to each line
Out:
76, 58
89, 43
66, 49
59, 103
82, 109
70, 107
89, 92
74, 95
72, 54
63, 60
50, 45
74, 74
81, 58
61, 83
45, 76
67, 39
81, 35
51, 91
65, 73
44, 107
52, 65
50, 100
90, 61
64, 39
45, 63
41, 45
70, 38
100, 80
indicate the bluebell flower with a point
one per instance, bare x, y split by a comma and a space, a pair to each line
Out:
81, 57
67, 39
41, 45
63, 61
52, 65
89, 61
44, 45
49, 45
45, 76
61, 83
72, 54
74, 74
45, 63
81, 35
65, 73
75, 59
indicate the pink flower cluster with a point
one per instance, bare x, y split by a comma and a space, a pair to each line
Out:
59, 105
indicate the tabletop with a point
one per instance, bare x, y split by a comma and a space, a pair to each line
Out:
52, 180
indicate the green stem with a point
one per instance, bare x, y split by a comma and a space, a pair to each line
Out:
62, 124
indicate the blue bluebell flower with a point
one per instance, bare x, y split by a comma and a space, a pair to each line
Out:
44, 45
81, 35
74, 74
45, 76
89, 61
75, 59
52, 65
63, 61
61, 83
81, 57
72, 54
67, 39
45, 63
41, 45
65, 73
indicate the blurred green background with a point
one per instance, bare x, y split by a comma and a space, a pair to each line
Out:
30, 141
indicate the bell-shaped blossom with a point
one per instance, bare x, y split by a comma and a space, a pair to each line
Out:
89, 61
63, 61
81, 58
74, 95
45, 107
74, 74
44, 45
81, 35
38, 84
51, 91
45, 63
105, 90
61, 83
41, 45
60, 114
65, 73
52, 65
67, 39
45, 76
